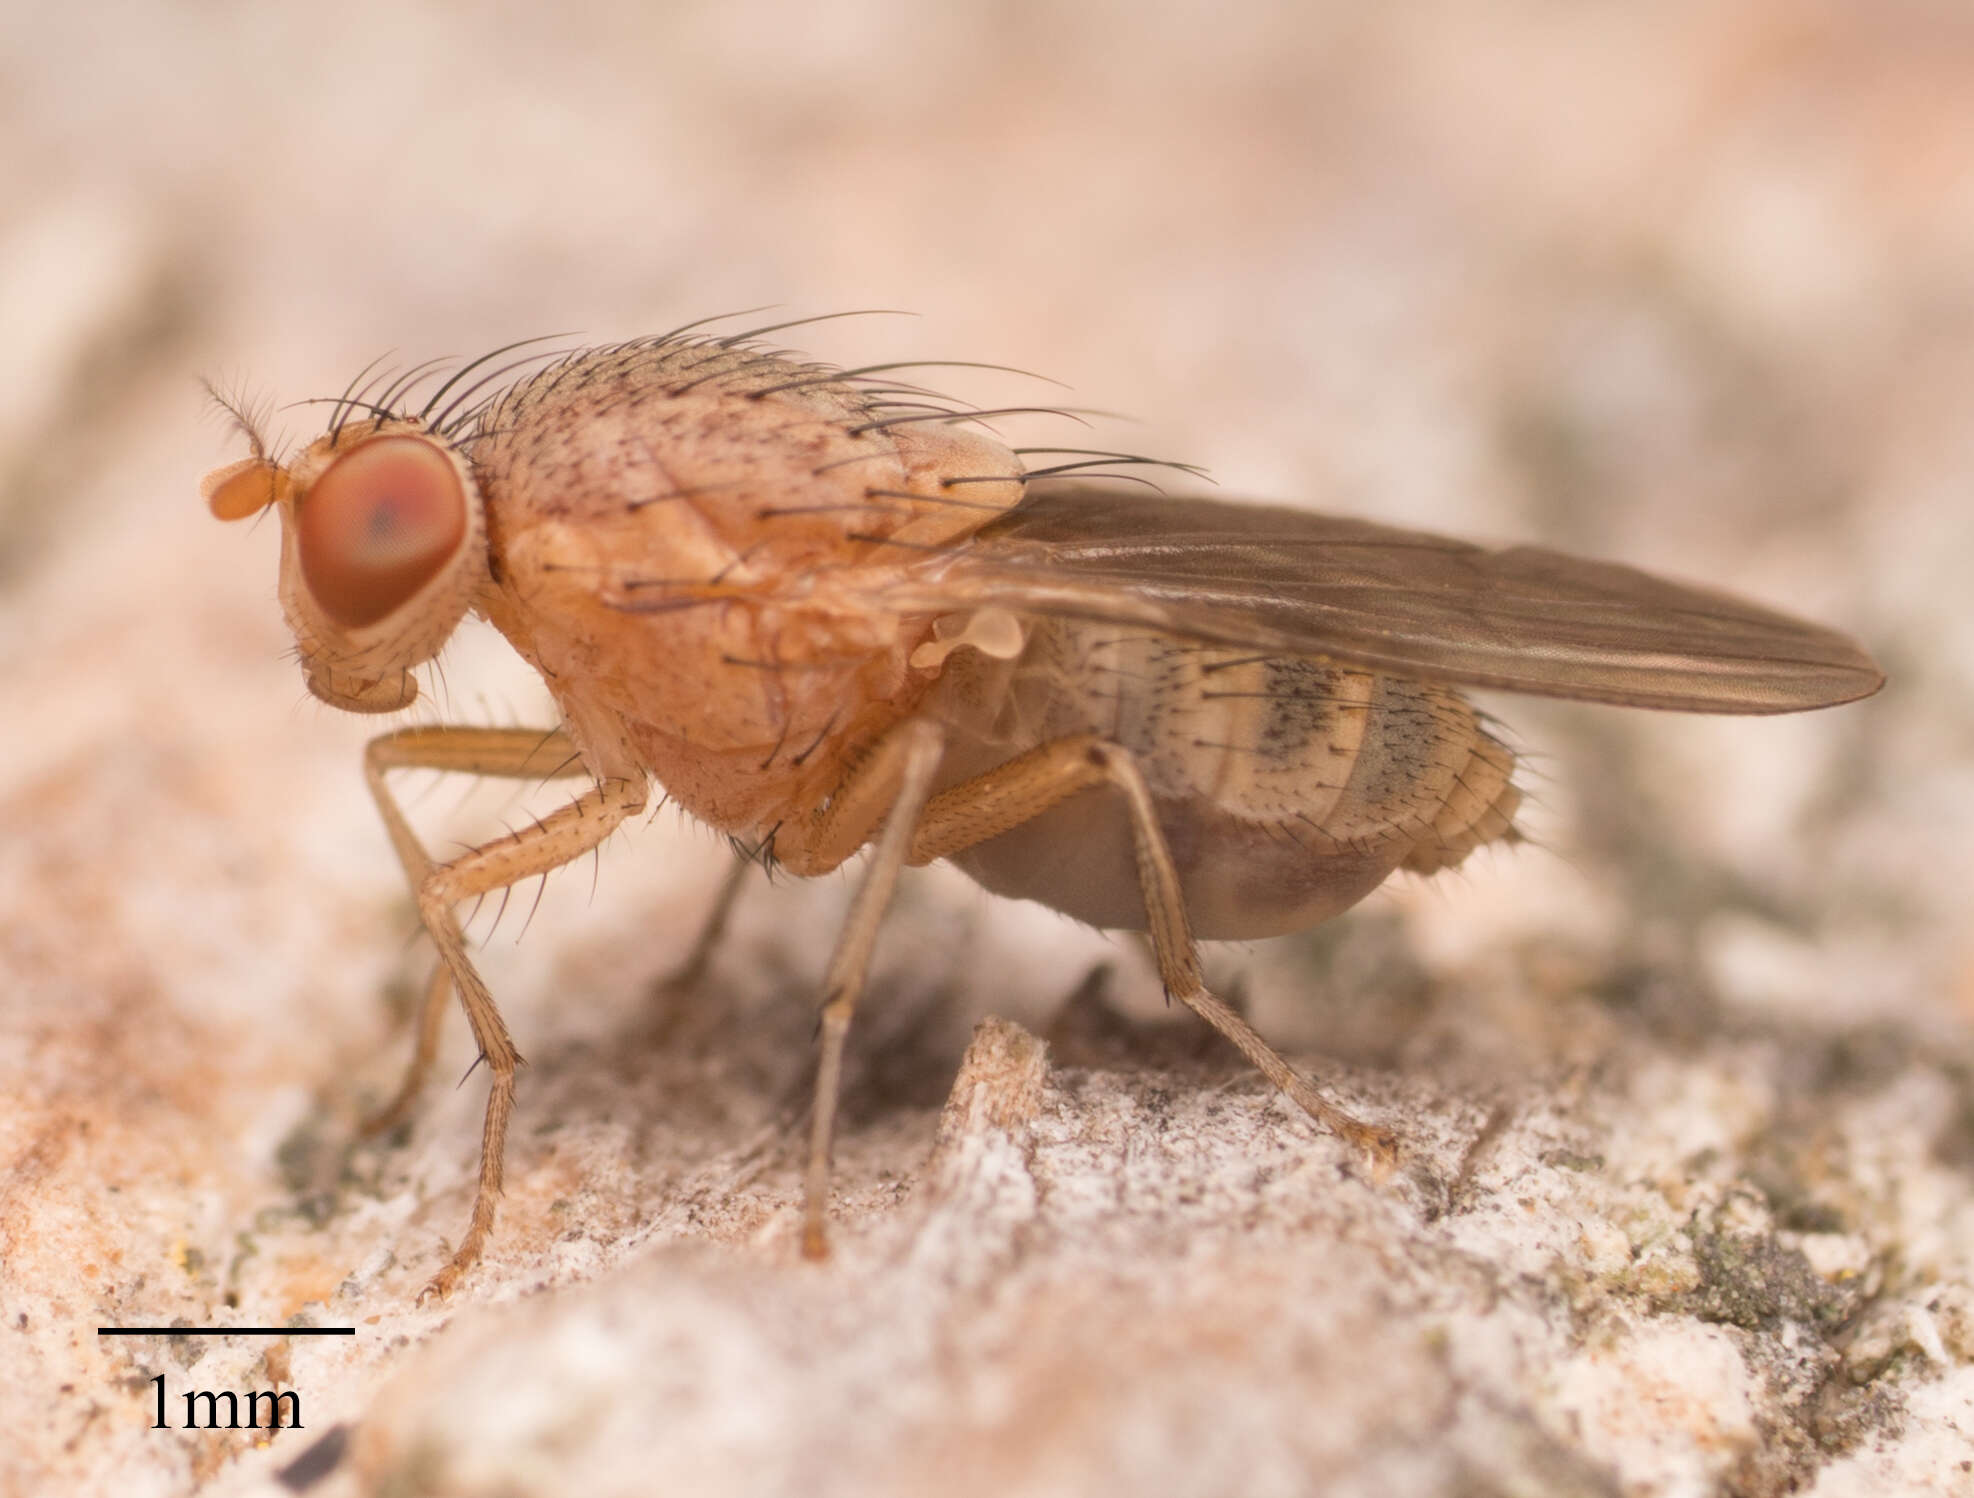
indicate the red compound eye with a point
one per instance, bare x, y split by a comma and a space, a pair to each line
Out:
378, 526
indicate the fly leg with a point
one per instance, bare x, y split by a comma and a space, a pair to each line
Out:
564, 834
520, 754
1028, 785
891, 785
688, 973
425, 1050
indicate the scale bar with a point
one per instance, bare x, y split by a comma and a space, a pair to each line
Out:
226, 1331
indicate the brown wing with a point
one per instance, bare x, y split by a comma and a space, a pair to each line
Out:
1399, 601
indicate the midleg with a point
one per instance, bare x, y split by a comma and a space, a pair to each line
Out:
688, 973
891, 785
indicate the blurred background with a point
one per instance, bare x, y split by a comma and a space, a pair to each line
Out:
1685, 284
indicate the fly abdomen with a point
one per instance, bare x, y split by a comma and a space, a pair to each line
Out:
1287, 789
1478, 808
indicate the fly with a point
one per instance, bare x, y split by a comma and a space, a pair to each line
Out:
825, 613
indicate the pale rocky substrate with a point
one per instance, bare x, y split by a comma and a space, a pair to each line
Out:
1647, 1237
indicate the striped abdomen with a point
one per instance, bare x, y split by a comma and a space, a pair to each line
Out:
1287, 789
